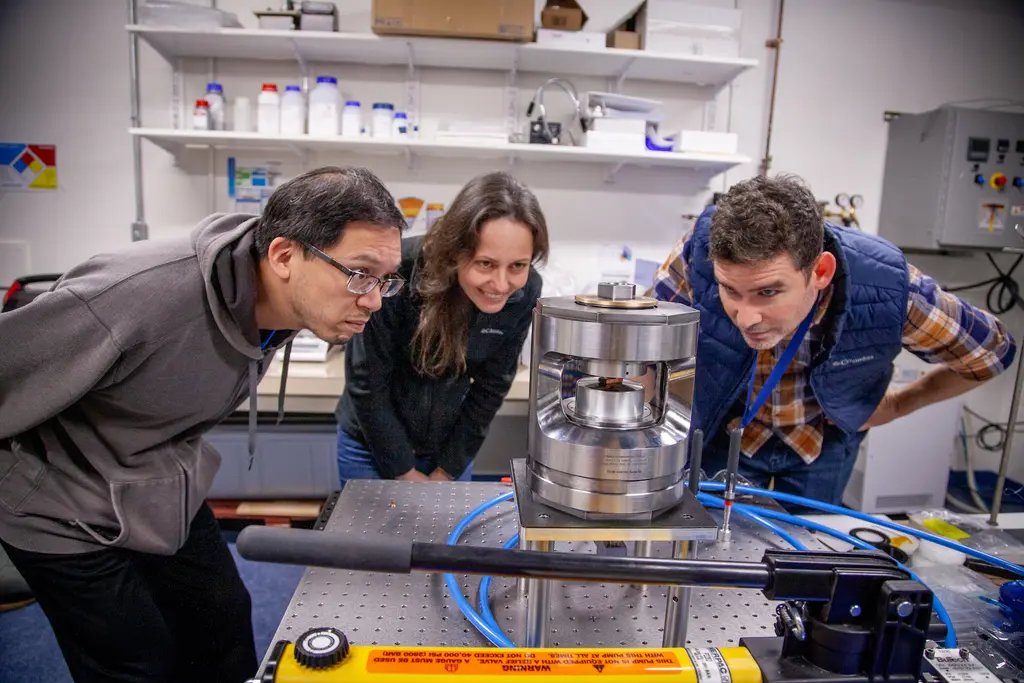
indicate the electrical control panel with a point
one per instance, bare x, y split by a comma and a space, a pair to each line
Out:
954, 179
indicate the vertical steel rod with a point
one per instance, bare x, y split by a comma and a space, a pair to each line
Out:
696, 457
140, 230
677, 612
538, 605
1004, 461
520, 581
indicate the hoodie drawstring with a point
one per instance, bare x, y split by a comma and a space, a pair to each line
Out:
254, 378
284, 378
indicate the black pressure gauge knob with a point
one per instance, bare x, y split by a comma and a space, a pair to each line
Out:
321, 648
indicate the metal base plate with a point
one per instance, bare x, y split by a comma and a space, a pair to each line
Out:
688, 521
416, 609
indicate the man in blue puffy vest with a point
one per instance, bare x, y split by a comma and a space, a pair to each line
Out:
800, 321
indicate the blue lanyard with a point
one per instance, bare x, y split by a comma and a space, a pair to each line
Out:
777, 371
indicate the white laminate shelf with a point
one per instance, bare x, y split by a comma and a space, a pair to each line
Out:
490, 55
177, 141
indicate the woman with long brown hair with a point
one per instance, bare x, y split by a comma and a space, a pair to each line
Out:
431, 369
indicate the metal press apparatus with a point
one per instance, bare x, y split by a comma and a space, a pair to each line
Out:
611, 392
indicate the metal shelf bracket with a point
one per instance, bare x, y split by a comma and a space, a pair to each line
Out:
620, 80
613, 171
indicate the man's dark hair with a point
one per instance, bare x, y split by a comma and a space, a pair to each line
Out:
762, 218
315, 207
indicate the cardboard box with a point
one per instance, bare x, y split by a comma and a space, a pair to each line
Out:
623, 40
578, 40
628, 32
493, 19
564, 15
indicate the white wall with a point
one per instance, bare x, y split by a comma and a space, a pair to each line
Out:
77, 98
843, 63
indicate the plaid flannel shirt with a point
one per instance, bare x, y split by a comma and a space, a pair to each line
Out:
939, 328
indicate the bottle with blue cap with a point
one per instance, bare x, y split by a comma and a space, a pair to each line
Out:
325, 107
400, 126
351, 119
293, 112
383, 120
215, 98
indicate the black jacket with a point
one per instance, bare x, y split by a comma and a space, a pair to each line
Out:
400, 415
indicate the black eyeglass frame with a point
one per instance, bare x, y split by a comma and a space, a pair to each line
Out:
374, 281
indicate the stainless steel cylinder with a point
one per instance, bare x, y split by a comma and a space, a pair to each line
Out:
611, 368
597, 449
618, 403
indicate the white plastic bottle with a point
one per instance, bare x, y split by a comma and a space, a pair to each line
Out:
293, 111
201, 115
325, 107
243, 114
383, 116
215, 97
268, 111
400, 126
351, 119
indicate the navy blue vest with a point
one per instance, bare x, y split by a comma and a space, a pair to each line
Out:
850, 373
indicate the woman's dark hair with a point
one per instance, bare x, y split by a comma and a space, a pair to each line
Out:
315, 207
439, 344
762, 218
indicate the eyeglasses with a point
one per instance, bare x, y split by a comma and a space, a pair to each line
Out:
360, 282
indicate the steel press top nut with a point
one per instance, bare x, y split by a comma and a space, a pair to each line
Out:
616, 291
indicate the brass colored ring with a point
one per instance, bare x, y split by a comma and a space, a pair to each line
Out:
594, 300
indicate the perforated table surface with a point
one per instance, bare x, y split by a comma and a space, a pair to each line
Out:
416, 610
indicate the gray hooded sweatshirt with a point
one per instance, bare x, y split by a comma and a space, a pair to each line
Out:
109, 381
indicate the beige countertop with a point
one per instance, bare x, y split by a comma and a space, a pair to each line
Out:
315, 387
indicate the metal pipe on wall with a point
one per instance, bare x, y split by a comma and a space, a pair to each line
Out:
775, 44
1004, 461
140, 231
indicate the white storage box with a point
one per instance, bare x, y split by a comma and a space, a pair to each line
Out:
618, 143
707, 142
619, 126
682, 27
576, 40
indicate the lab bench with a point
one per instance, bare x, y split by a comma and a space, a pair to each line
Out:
298, 458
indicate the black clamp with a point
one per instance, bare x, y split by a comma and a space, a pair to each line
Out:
855, 613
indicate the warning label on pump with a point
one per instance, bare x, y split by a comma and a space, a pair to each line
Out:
563, 663
709, 665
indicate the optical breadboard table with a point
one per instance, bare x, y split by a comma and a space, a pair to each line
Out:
416, 609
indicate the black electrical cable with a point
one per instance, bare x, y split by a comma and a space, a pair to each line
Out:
1007, 295
1003, 287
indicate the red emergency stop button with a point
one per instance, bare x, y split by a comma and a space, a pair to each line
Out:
998, 181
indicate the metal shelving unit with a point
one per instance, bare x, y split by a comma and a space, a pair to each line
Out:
177, 141
489, 55
307, 47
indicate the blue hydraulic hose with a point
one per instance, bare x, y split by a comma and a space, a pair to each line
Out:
940, 609
489, 630
744, 511
836, 509
485, 589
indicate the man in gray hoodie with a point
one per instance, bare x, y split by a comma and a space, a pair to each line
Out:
107, 385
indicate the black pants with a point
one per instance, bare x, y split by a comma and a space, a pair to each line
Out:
121, 615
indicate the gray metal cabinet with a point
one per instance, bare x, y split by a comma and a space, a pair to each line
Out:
292, 461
